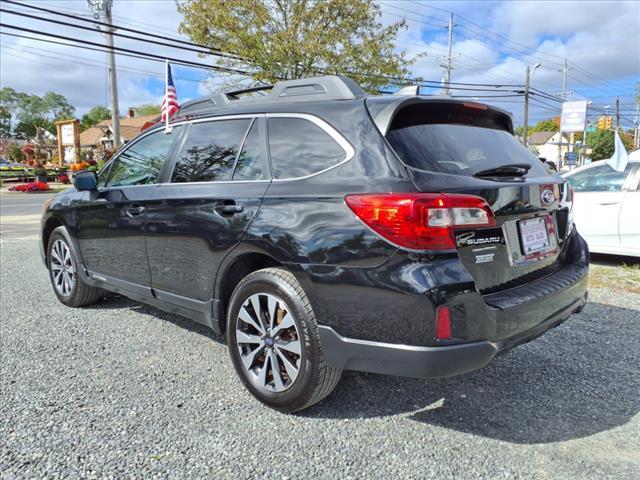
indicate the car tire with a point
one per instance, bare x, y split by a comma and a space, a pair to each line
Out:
270, 323
64, 272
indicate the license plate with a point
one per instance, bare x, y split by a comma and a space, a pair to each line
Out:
534, 236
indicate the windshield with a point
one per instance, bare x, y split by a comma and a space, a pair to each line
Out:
460, 149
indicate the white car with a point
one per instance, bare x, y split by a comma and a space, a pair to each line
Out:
606, 207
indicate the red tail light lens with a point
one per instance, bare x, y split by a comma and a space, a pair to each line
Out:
421, 221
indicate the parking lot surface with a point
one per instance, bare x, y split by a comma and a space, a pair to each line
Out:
122, 390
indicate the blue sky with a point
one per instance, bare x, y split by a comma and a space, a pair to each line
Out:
493, 43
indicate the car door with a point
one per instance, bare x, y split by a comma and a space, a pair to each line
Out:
200, 213
598, 199
110, 222
629, 215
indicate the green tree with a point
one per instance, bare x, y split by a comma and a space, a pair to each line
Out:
27, 129
15, 154
57, 106
26, 110
289, 39
602, 143
147, 109
8, 100
548, 125
94, 116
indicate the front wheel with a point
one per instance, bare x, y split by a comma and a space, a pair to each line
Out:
64, 272
274, 343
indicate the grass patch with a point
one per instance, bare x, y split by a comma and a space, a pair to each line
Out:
615, 277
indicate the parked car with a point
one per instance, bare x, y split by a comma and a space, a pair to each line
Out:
322, 229
606, 205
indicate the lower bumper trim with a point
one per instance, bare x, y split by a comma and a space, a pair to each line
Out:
425, 362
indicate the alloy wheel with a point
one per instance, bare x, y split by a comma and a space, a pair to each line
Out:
268, 340
62, 268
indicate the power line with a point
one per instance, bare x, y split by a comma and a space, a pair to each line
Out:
123, 35
128, 50
104, 24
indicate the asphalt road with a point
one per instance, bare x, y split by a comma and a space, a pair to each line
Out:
20, 214
122, 390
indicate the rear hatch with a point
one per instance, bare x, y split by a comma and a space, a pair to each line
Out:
468, 148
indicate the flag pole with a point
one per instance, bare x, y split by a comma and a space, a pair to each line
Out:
167, 128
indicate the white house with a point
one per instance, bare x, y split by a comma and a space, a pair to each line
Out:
546, 145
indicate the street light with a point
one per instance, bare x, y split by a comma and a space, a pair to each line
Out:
529, 73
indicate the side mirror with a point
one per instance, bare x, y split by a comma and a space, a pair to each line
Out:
85, 180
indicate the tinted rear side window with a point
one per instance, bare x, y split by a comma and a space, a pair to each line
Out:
209, 153
300, 148
454, 148
250, 164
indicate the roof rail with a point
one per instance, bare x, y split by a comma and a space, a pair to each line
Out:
242, 91
329, 87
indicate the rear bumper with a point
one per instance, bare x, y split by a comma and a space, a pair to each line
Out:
428, 362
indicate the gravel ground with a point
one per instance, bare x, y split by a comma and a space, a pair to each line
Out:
121, 390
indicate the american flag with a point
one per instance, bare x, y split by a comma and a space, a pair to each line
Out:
170, 103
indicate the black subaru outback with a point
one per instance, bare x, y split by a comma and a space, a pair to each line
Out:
323, 229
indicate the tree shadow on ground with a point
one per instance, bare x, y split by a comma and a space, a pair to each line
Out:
577, 380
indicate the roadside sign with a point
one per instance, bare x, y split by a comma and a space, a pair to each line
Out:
574, 116
591, 129
570, 158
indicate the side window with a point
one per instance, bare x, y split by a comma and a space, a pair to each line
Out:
140, 164
299, 147
210, 151
250, 165
602, 178
103, 175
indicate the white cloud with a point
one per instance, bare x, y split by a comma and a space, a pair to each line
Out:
79, 74
601, 39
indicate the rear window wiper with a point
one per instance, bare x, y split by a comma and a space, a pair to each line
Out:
509, 170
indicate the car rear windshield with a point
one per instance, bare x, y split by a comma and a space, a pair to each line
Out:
454, 144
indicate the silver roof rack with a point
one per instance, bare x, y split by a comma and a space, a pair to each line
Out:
329, 87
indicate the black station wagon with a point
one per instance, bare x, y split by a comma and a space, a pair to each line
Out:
322, 229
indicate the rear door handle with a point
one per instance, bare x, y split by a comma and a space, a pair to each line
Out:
228, 210
134, 211
609, 203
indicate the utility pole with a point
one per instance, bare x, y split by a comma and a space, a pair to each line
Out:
525, 129
565, 74
100, 8
618, 114
636, 136
447, 65
527, 80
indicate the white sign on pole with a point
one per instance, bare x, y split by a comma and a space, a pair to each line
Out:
574, 116
69, 154
67, 134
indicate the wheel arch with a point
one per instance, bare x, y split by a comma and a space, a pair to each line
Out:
231, 273
47, 229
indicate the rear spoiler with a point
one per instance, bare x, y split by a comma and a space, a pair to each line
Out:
384, 118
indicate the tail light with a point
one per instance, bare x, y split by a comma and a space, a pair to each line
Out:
421, 221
